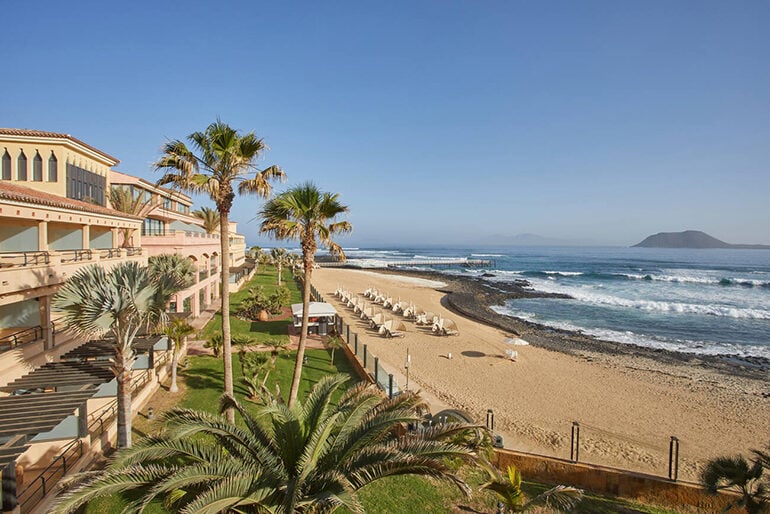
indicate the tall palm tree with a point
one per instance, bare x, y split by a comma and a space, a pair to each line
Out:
313, 457
280, 257
123, 200
116, 302
177, 331
741, 476
210, 218
306, 214
220, 158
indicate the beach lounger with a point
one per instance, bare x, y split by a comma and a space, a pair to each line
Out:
445, 327
377, 320
367, 313
409, 312
426, 319
393, 328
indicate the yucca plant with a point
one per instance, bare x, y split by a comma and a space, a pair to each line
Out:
313, 457
215, 345
177, 331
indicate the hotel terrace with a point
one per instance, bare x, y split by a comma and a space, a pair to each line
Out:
56, 218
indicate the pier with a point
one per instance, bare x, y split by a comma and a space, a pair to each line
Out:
435, 263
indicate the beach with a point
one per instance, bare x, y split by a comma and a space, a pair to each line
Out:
628, 401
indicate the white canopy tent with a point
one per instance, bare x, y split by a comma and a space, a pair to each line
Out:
320, 315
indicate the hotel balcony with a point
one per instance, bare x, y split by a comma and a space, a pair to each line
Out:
25, 275
181, 241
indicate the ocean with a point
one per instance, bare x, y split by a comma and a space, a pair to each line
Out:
713, 302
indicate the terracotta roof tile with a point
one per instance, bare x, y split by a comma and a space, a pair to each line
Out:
42, 133
10, 191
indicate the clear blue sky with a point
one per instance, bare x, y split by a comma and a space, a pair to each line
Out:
437, 121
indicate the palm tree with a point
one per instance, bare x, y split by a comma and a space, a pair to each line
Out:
224, 157
210, 218
123, 200
280, 257
741, 476
119, 302
177, 331
334, 342
511, 498
304, 213
181, 271
313, 457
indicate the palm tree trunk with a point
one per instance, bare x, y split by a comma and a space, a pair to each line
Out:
123, 375
173, 388
227, 351
303, 332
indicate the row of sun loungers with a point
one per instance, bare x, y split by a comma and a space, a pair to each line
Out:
390, 327
373, 313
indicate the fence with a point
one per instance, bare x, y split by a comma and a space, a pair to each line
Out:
50, 476
587, 443
660, 457
370, 362
24, 336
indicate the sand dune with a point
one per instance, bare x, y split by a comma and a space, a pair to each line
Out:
628, 407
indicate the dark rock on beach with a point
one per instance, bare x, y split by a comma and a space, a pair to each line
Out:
472, 297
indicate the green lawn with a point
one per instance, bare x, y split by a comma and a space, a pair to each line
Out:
259, 330
202, 385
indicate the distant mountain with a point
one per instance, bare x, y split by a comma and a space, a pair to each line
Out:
691, 239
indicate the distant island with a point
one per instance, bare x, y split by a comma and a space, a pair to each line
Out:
691, 239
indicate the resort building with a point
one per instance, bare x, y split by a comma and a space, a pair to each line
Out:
57, 392
169, 227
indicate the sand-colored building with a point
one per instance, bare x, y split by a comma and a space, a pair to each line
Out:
56, 218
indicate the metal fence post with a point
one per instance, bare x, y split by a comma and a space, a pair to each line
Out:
490, 420
390, 385
376, 370
673, 458
574, 451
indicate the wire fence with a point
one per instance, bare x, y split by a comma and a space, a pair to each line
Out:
370, 362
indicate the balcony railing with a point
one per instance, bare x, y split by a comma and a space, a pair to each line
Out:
77, 255
34, 258
24, 336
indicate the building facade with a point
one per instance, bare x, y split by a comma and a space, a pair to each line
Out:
56, 218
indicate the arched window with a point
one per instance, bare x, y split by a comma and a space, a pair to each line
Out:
21, 164
37, 167
6, 174
53, 168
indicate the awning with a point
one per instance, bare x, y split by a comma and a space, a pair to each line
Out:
61, 374
104, 349
28, 415
315, 310
186, 227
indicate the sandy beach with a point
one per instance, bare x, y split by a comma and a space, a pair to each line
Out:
628, 403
